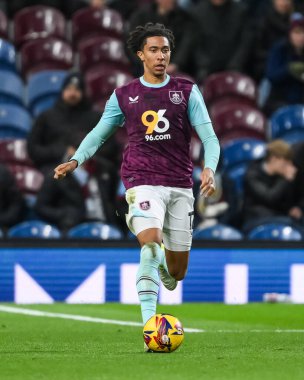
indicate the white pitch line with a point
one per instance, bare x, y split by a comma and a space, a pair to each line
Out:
81, 318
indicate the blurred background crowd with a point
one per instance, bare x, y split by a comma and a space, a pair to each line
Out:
61, 60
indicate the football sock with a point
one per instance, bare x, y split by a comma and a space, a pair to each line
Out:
147, 279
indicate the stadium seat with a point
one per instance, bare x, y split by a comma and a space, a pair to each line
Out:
7, 56
3, 25
275, 231
234, 121
217, 232
96, 22
236, 157
43, 90
29, 180
15, 122
45, 54
131, 236
95, 230
34, 229
1, 234
287, 123
101, 82
102, 50
242, 151
14, 152
43, 105
37, 22
11, 88
230, 85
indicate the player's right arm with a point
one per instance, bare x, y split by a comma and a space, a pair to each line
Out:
111, 119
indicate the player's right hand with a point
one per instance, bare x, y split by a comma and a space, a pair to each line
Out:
63, 169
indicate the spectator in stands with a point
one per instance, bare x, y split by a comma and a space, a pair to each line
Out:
298, 159
11, 201
224, 37
181, 23
14, 6
58, 131
61, 204
223, 206
272, 27
269, 188
285, 68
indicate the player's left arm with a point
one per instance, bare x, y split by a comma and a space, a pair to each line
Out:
200, 120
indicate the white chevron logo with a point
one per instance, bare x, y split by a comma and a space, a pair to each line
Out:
133, 100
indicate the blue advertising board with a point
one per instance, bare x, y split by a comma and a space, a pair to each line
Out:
213, 273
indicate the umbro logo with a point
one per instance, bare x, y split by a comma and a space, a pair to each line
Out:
133, 100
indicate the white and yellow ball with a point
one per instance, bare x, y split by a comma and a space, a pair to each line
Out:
163, 333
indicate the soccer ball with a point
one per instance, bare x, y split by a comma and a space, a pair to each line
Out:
163, 333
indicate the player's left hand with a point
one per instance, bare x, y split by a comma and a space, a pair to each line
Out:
207, 187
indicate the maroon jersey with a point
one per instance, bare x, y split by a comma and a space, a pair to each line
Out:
159, 134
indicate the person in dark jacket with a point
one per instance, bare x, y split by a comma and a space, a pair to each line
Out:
14, 6
285, 69
58, 131
61, 204
224, 37
298, 159
269, 187
178, 20
11, 201
273, 26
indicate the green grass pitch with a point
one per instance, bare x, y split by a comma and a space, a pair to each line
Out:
239, 343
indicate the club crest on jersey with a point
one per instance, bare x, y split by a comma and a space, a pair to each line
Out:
145, 205
176, 97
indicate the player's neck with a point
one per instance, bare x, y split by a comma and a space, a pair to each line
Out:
149, 78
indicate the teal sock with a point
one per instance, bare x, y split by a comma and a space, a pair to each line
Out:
147, 279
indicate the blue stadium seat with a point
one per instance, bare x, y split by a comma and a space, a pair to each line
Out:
15, 121
34, 229
242, 151
43, 105
131, 236
236, 157
43, 89
7, 56
287, 123
95, 230
275, 231
11, 88
218, 232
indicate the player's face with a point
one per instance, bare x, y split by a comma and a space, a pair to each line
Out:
155, 56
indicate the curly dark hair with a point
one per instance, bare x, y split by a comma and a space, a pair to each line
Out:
137, 38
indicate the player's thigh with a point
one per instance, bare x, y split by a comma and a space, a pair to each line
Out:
178, 222
146, 213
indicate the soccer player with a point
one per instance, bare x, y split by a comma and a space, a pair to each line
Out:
159, 113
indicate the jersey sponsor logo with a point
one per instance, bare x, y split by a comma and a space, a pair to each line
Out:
145, 205
176, 97
156, 122
133, 100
